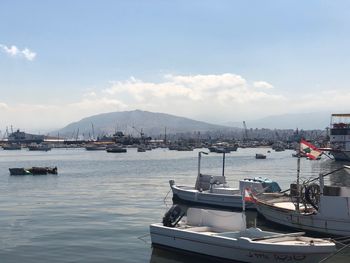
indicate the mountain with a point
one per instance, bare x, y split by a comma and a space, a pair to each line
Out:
131, 122
306, 121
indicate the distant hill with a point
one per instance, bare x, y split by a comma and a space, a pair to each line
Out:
306, 121
152, 124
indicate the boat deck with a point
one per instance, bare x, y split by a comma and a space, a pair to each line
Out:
291, 206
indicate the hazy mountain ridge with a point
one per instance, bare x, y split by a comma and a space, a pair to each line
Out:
150, 123
154, 124
306, 121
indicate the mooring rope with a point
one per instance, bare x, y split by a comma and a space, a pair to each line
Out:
142, 238
335, 253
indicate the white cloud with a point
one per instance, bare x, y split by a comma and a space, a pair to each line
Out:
16, 52
262, 84
3, 106
213, 98
29, 55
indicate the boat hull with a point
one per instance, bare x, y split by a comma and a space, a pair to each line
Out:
312, 222
228, 201
234, 249
341, 155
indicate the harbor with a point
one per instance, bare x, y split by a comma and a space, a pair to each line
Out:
100, 205
174, 132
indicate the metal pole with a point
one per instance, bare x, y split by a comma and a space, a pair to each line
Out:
199, 164
199, 167
298, 183
223, 165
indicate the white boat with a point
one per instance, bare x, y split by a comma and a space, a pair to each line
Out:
222, 234
340, 137
322, 209
214, 191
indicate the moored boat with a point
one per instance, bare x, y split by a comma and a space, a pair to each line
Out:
260, 156
33, 171
222, 234
116, 149
340, 137
39, 147
95, 147
12, 146
317, 208
214, 191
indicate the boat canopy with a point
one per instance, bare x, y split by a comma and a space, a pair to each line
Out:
269, 185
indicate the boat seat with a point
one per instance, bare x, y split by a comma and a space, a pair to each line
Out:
249, 233
223, 221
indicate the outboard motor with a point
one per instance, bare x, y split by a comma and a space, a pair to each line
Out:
173, 216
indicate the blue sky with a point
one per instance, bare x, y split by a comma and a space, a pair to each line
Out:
216, 61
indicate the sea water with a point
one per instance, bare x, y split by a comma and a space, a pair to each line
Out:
100, 205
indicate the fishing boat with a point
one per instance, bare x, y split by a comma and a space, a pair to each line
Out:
214, 191
311, 205
340, 137
223, 235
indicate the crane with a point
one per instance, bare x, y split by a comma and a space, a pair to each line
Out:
140, 132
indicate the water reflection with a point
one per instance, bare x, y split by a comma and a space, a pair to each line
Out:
165, 255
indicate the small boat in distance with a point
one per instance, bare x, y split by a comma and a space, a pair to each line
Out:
39, 147
260, 156
116, 149
12, 146
95, 147
223, 235
223, 148
33, 171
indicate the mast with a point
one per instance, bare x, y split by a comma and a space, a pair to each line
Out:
93, 131
165, 136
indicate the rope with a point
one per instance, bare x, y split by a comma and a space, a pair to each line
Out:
166, 196
142, 238
335, 253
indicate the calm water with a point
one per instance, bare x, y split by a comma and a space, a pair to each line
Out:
100, 205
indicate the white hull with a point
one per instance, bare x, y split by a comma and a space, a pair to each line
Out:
231, 200
238, 249
312, 222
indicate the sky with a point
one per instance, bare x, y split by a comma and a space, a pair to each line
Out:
214, 61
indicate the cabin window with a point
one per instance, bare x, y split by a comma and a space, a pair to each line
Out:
340, 131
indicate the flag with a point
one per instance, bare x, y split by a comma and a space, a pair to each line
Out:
248, 195
309, 150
